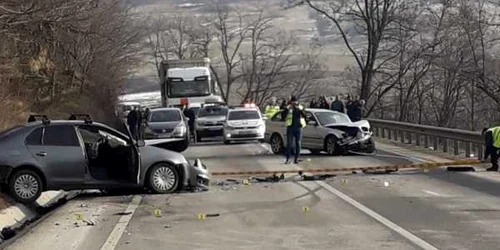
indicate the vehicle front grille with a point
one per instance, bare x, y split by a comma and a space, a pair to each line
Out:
167, 130
244, 136
246, 127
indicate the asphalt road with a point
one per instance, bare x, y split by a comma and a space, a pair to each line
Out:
405, 210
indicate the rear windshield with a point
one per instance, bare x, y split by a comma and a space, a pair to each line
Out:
8, 132
244, 115
212, 111
165, 116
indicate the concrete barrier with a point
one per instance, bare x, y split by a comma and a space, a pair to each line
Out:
16, 215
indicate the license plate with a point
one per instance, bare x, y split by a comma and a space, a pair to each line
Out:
245, 132
163, 136
214, 129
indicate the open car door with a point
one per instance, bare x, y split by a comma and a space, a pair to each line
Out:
136, 157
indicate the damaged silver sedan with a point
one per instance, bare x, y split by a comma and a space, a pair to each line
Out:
328, 131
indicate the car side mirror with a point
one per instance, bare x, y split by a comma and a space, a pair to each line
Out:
141, 143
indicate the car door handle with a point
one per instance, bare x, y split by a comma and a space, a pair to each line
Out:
41, 154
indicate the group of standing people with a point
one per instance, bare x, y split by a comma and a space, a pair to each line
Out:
353, 107
137, 122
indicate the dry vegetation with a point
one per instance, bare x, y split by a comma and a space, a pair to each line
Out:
430, 62
63, 56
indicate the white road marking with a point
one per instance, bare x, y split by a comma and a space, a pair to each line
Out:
430, 192
116, 234
401, 231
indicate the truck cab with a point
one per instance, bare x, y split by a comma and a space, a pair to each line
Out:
187, 81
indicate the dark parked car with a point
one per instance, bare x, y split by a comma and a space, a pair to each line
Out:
75, 154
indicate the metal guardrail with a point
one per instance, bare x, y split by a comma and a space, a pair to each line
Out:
464, 142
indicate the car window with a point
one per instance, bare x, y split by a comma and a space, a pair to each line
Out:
91, 134
35, 137
326, 118
62, 135
165, 116
243, 115
310, 116
213, 111
10, 131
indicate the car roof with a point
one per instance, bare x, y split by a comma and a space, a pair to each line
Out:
243, 108
63, 122
323, 110
165, 109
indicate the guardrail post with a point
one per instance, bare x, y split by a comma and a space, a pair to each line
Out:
410, 137
389, 134
479, 150
435, 143
376, 132
402, 134
417, 139
445, 145
467, 148
383, 132
426, 141
455, 147
396, 134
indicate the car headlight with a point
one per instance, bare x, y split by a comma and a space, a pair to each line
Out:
179, 130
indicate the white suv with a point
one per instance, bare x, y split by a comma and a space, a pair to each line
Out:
244, 124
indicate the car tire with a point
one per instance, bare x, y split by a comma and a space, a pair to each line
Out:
277, 145
198, 137
315, 151
371, 146
25, 186
163, 178
262, 141
181, 146
331, 145
227, 142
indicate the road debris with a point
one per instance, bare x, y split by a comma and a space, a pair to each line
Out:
212, 215
78, 217
123, 213
7, 233
89, 223
166, 226
76, 224
201, 216
57, 224
386, 184
305, 209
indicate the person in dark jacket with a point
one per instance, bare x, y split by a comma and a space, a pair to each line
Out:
356, 111
132, 121
191, 115
313, 104
337, 105
295, 123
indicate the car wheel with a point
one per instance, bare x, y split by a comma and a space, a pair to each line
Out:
315, 151
262, 141
331, 145
25, 186
370, 146
198, 137
163, 178
227, 142
277, 144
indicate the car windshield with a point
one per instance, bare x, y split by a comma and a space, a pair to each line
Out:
188, 89
165, 116
243, 115
326, 118
212, 111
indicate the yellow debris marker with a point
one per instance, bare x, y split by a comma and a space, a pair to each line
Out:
309, 159
78, 217
201, 216
344, 181
246, 182
305, 209
157, 212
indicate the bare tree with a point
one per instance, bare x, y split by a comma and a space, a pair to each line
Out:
232, 31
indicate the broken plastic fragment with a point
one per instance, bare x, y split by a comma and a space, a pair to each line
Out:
201, 216
386, 183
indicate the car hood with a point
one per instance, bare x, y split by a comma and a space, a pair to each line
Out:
155, 154
359, 124
163, 125
244, 123
211, 118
